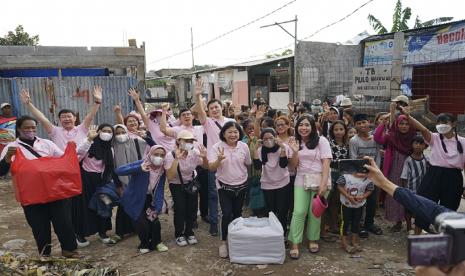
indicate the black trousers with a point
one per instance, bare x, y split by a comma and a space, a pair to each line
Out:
278, 201
149, 232
123, 223
370, 208
350, 218
443, 186
185, 210
231, 208
203, 193
58, 212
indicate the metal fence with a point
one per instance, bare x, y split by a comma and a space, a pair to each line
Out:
50, 95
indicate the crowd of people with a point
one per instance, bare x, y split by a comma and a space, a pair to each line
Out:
215, 156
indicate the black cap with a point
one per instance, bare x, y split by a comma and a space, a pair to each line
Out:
360, 117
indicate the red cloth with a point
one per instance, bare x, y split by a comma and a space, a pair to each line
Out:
46, 179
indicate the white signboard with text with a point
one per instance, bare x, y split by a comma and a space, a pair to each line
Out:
372, 81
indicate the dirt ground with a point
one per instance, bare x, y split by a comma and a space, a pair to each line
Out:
382, 255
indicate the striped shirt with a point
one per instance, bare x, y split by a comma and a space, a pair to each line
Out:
414, 170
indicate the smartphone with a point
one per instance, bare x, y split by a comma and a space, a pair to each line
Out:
353, 165
429, 250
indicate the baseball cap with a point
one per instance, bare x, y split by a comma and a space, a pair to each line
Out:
4, 104
186, 135
401, 98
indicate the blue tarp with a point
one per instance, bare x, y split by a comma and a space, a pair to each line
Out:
67, 72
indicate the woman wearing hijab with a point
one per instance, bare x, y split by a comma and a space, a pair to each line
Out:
142, 200
272, 158
96, 156
127, 150
398, 142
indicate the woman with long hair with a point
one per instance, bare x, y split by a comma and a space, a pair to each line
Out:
311, 156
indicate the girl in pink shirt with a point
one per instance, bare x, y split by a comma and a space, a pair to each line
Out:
443, 181
230, 158
312, 156
97, 167
272, 159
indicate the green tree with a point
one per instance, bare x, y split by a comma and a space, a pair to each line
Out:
400, 20
19, 37
284, 53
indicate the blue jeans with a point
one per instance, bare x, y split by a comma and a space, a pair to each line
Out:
212, 198
424, 209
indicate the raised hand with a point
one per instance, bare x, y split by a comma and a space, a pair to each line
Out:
97, 93
293, 144
198, 86
392, 107
117, 108
134, 94
165, 107
290, 107
405, 110
93, 133
181, 154
25, 96
220, 155
202, 151
260, 112
253, 110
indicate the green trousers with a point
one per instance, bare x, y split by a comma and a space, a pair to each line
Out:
302, 209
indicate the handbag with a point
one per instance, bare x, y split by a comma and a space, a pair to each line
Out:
193, 186
312, 181
47, 178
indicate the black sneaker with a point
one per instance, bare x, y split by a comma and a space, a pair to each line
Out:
363, 234
81, 242
213, 229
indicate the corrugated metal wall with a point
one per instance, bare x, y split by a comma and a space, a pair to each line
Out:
73, 93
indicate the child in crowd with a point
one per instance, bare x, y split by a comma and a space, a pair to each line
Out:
351, 132
412, 174
354, 189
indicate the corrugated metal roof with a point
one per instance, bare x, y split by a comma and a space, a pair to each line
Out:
73, 93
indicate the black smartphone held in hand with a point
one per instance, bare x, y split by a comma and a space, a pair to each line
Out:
353, 165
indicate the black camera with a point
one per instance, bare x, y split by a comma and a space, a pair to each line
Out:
446, 248
351, 165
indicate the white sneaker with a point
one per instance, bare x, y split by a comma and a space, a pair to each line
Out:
411, 232
181, 241
192, 240
144, 250
81, 242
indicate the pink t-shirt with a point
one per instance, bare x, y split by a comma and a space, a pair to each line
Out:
213, 131
310, 161
187, 166
273, 176
43, 147
233, 169
159, 137
451, 159
89, 164
197, 131
61, 136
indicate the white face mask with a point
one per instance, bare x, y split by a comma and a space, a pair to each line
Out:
105, 136
187, 146
156, 160
269, 143
122, 138
443, 128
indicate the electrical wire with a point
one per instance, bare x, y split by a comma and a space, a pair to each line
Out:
224, 34
311, 35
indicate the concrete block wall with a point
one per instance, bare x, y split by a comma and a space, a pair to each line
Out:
325, 69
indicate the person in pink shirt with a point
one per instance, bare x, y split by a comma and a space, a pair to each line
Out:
182, 163
212, 126
152, 122
68, 131
230, 158
96, 155
39, 216
311, 156
133, 122
443, 181
272, 158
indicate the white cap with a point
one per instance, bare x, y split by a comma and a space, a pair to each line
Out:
401, 98
4, 104
346, 102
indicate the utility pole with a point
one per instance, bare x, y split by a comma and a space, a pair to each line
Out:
294, 76
192, 49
